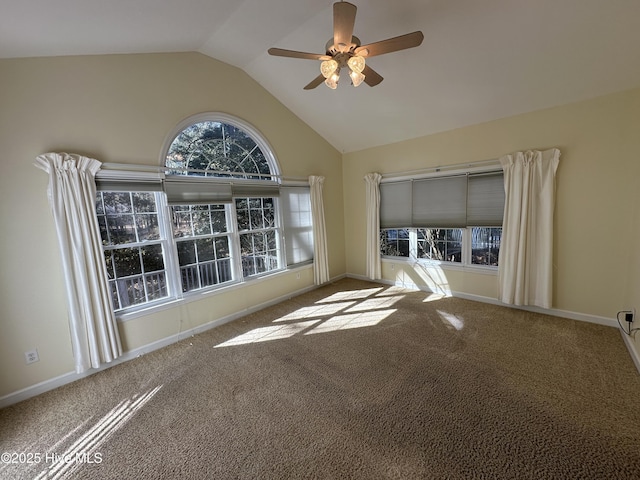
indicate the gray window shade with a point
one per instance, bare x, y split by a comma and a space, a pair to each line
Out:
255, 189
128, 181
295, 203
184, 190
395, 204
440, 202
485, 199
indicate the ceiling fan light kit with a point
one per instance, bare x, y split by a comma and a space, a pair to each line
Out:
344, 50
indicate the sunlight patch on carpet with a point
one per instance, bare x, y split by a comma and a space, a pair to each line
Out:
350, 295
452, 320
86, 447
352, 320
265, 334
374, 304
321, 310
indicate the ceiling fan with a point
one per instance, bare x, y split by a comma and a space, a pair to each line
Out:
344, 50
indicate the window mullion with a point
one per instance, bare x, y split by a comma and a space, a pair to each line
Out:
170, 247
234, 240
466, 246
413, 243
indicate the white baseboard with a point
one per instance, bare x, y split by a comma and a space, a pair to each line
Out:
635, 355
69, 377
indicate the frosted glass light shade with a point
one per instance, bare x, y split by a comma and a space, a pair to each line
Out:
356, 64
332, 81
356, 78
328, 67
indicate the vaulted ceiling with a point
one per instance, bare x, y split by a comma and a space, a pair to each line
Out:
480, 59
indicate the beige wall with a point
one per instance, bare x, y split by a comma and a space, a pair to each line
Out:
120, 108
596, 233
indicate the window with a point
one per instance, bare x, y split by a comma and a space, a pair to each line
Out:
454, 219
202, 240
258, 235
212, 219
485, 246
134, 247
443, 244
394, 242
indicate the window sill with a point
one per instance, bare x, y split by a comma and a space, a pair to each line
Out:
479, 269
197, 295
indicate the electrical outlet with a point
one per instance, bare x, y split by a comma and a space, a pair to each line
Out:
630, 316
31, 356
298, 275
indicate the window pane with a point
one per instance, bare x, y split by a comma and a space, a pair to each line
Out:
117, 202
208, 275
144, 202
201, 220
224, 270
127, 262
156, 285
102, 225
271, 240
148, 228
108, 259
222, 247
121, 229
152, 258
257, 221
242, 214
186, 252
182, 224
485, 245
131, 291
218, 219
205, 250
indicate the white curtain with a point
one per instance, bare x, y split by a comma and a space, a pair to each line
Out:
525, 275
374, 268
72, 195
320, 257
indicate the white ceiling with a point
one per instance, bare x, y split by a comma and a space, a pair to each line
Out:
480, 59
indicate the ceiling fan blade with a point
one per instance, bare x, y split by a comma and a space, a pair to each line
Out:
371, 77
389, 45
344, 18
279, 52
314, 83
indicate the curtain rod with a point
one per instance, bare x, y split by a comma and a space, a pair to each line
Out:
131, 167
493, 162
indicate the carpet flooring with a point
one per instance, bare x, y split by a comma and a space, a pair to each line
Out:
351, 380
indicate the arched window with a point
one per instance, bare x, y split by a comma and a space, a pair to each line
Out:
219, 145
